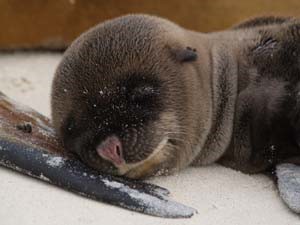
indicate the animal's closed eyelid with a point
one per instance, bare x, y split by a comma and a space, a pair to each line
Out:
145, 89
142, 92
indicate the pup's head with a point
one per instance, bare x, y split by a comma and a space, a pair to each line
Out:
120, 96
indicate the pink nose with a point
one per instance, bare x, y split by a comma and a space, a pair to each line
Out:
111, 149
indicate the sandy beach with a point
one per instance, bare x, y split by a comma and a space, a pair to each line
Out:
221, 195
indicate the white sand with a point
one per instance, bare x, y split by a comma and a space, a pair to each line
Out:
222, 196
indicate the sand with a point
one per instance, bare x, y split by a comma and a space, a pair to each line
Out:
221, 195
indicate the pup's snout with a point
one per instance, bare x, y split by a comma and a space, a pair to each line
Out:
111, 149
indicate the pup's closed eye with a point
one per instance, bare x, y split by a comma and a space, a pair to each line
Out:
143, 93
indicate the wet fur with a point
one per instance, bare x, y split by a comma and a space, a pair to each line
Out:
229, 96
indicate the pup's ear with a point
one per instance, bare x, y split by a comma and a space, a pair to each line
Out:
187, 54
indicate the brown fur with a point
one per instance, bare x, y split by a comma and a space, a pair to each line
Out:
199, 77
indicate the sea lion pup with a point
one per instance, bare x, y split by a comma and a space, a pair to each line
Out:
139, 95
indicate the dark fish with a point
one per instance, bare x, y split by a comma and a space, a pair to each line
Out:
28, 145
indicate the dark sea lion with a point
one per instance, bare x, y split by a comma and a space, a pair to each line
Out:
139, 95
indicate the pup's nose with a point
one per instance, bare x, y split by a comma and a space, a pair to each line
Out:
111, 149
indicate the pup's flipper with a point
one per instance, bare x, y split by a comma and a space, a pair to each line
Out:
289, 185
28, 145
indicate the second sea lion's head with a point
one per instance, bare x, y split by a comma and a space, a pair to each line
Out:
121, 94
